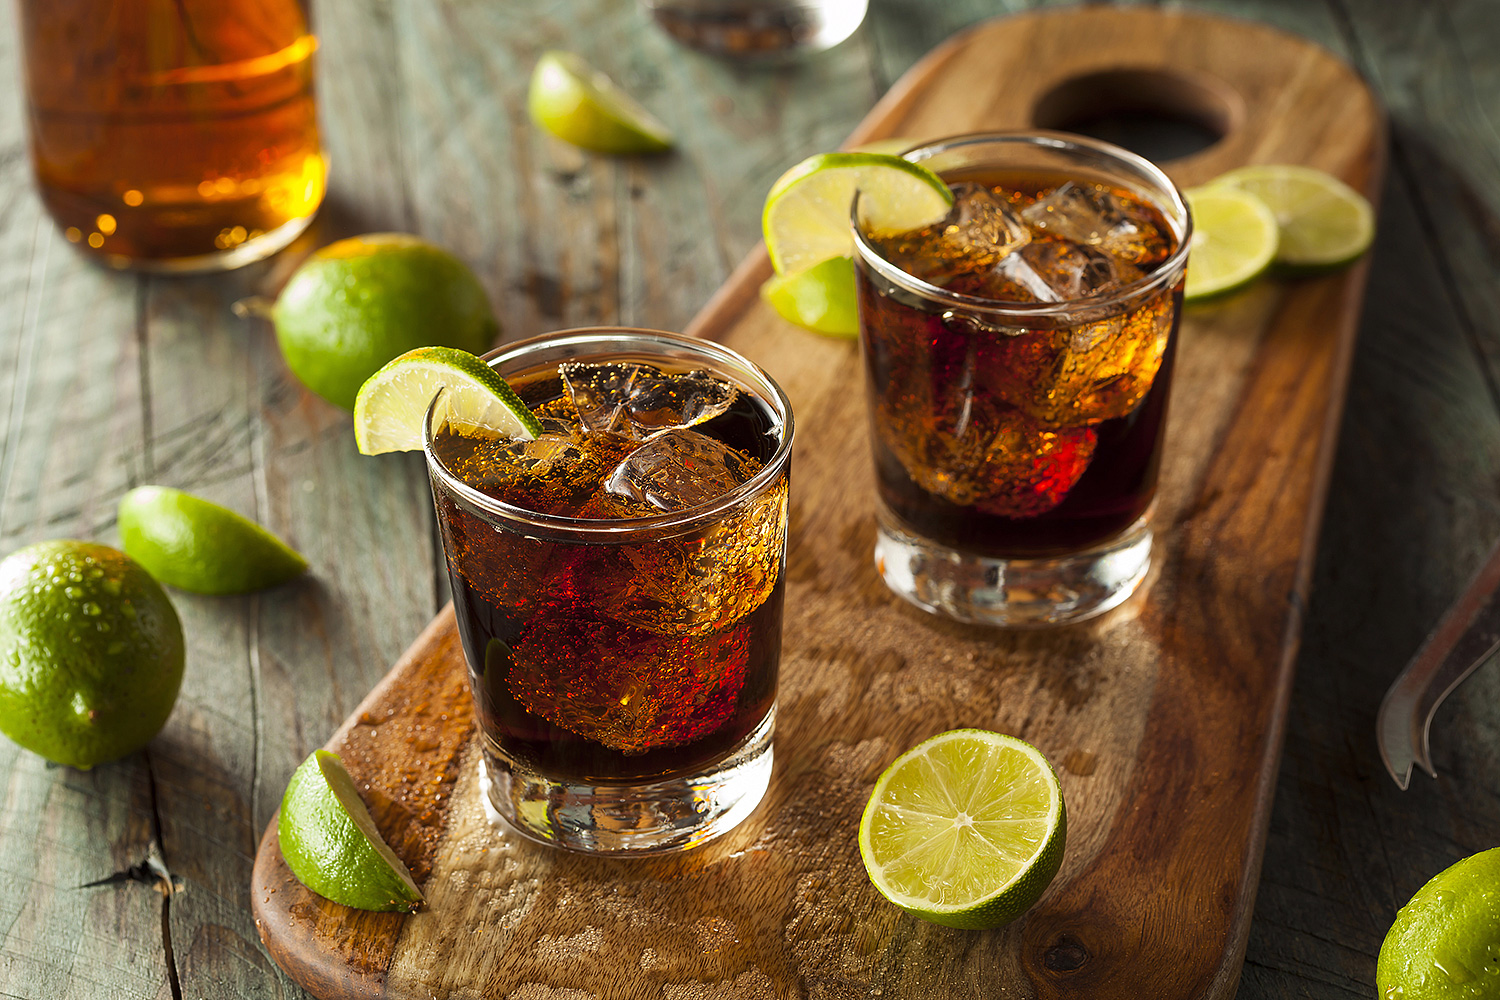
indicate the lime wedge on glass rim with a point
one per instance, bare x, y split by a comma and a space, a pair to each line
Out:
392, 404
579, 104
821, 298
1234, 240
965, 830
806, 218
330, 841
1323, 221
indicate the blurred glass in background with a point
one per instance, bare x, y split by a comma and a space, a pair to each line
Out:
758, 27
173, 135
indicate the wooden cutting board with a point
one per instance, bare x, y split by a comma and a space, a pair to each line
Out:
1164, 718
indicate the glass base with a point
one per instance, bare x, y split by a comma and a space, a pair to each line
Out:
1018, 593
247, 252
615, 819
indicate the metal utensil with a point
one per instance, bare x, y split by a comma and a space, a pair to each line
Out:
1468, 635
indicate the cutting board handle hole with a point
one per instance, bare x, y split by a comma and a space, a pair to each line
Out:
1158, 114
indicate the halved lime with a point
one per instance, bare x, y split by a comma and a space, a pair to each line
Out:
1324, 222
391, 405
1234, 240
806, 218
579, 104
820, 298
191, 544
331, 844
966, 830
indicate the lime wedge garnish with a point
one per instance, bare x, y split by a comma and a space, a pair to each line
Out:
191, 544
579, 104
1324, 222
965, 830
391, 405
331, 844
806, 218
820, 298
1234, 240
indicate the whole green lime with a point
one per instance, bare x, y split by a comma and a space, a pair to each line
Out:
358, 303
91, 652
1445, 943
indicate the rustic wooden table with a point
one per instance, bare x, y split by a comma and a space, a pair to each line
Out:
131, 880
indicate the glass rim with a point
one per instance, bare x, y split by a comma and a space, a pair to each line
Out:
622, 528
1169, 271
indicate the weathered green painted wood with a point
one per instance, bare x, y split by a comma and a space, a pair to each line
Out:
70, 389
287, 664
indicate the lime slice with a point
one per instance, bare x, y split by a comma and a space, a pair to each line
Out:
188, 543
1445, 942
965, 830
391, 405
1324, 222
1234, 240
806, 218
331, 844
820, 298
579, 104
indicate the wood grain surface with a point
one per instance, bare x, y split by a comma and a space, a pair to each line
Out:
110, 380
1165, 718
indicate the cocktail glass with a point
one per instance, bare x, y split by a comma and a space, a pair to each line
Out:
618, 586
1018, 357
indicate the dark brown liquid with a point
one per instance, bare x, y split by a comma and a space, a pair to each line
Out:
625, 662
171, 129
1026, 441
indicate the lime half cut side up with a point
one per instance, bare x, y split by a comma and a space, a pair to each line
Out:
806, 218
966, 830
1323, 221
580, 105
330, 841
392, 404
1234, 240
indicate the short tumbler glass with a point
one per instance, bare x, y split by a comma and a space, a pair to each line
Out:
623, 667
1016, 443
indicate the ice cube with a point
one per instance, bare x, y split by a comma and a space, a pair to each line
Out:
636, 400
979, 231
679, 468
628, 689
982, 223
965, 445
1081, 375
1072, 271
1091, 215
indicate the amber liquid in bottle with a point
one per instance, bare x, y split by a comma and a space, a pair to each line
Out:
173, 134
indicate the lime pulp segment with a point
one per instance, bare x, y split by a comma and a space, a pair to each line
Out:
391, 407
966, 829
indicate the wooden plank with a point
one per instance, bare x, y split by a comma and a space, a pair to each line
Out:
1177, 699
271, 674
